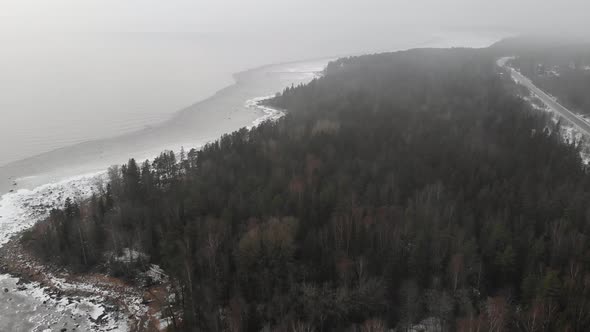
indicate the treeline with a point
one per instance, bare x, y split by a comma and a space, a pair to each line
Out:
401, 188
560, 68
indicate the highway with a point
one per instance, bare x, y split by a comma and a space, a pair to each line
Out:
549, 101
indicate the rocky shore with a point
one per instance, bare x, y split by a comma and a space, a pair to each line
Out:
106, 303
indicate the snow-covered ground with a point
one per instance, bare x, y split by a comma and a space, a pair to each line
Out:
569, 132
20, 210
40, 310
43, 310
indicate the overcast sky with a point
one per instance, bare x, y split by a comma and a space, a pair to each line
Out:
19, 16
69, 68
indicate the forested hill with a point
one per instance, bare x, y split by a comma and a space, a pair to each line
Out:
400, 187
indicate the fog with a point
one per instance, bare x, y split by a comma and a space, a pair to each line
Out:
75, 70
238, 15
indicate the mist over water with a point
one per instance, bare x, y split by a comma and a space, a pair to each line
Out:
60, 89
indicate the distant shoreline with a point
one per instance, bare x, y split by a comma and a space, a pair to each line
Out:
118, 300
12, 172
37, 164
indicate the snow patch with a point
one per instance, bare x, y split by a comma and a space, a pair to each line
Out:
128, 255
270, 113
157, 274
22, 209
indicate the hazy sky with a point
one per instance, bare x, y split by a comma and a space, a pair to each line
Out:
19, 16
73, 70
68, 67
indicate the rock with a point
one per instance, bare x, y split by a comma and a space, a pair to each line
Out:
5, 290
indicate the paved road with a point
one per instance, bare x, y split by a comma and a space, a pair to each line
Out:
551, 102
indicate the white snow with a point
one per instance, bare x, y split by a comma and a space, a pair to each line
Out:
569, 132
430, 324
22, 209
270, 114
88, 313
128, 255
157, 274
307, 70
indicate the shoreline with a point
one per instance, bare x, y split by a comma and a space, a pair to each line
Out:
113, 304
123, 305
100, 152
33, 276
28, 166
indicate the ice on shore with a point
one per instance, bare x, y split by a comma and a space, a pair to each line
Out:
270, 113
22, 209
42, 310
39, 310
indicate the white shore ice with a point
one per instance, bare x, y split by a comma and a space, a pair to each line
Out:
270, 114
43, 310
20, 210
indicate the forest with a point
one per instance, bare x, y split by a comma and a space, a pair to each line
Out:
561, 68
400, 188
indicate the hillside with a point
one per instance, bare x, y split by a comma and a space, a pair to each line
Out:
400, 187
